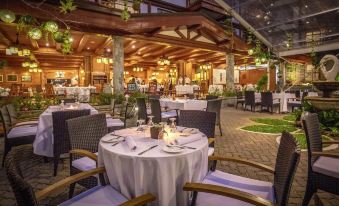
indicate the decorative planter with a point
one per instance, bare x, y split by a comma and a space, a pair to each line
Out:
155, 132
229, 102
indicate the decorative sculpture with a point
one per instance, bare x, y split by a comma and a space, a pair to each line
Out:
329, 66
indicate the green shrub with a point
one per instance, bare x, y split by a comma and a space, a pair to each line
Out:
132, 98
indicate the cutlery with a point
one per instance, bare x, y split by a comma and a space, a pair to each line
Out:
182, 147
117, 142
154, 146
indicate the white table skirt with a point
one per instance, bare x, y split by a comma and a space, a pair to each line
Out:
284, 98
189, 104
82, 92
155, 171
43, 143
186, 89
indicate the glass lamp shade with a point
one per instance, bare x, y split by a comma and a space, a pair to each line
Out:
7, 16
26, 52
20, 53
250, 51
14, 50
35, 33
51, 26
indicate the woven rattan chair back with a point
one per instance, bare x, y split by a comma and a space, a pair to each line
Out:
16, 158
240, 95
12, 114
202, 120
211, 97
60, 129
305, 94
313, 136
214, 106
249, 98
266, 99
85, 132
156, 110
142, 109
6, 120
297, 94
286, 164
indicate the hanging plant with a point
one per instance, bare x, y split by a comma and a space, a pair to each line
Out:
34, 33
125, 15
58, 37
67, 6
136, 5
249, 36
229, 27
289, 43
7, 16
50, 26
26, 22
3, 63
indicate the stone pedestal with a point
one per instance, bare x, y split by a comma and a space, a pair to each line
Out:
118, 64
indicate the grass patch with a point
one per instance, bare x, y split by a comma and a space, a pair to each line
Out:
301, 138
269, 121
270, 128
290, 118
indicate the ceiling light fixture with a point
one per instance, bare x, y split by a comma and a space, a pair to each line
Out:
163, 61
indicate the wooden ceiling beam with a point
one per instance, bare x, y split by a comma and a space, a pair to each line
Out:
83, 42
106, 43
4, 38
177, 30
34, 44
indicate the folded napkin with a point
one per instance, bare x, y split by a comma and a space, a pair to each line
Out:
189, 139
131, 143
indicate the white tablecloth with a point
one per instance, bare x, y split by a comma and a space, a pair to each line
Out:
43, 143
284, 98
155, 171
82, 92
143, 88
186, 89
215, 88
189, 104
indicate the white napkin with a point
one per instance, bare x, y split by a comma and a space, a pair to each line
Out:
131, 143
189, 139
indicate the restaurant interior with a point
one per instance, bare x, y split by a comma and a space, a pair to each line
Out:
169, 102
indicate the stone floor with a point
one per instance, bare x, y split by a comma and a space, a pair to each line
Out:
234, 142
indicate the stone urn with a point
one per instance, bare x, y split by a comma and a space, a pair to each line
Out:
329, 67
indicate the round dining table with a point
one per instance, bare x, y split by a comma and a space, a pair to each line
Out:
155, 171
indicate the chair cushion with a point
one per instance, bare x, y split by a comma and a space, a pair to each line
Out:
98, 196
169, 114
114, 122
327, 166
22, 131
255, 187
84, 163
27, 123
210, 151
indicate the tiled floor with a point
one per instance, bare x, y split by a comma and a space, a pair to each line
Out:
234, 142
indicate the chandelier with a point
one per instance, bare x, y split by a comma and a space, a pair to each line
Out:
205, 66
138, 69
59, 74
35, 70
29, 64
104, 60
18, 49
163, 61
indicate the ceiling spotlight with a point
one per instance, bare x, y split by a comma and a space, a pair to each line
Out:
108, 50
272, 4
47, 44
88, 48
258, 16
306, 6
268, 22
133, 46
307, 22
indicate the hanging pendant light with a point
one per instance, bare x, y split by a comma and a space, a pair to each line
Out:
7, 16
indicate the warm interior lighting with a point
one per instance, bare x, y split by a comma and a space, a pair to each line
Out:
163, 61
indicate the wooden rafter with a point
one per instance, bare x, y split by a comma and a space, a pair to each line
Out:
106, 43
34, 44
5, 38
177, 30
83, 42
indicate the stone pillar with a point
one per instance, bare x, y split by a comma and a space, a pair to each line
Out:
118, 64
230, 71
268, 72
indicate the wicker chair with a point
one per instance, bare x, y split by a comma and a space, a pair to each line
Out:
250, 100
296, 102
240, 99
61, 143
202, 120
14, 117
215, 106
268, 102
219, 188
160, 116
21, 159
84, 135
142, 109
323, 173
120, 116
15, 135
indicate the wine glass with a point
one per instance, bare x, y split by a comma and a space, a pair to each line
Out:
150, 121
172, 126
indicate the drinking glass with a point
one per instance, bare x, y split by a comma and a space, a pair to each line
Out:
150, 121
172, 125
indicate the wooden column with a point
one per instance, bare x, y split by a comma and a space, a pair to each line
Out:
87, 70
269, 63
230, 71
118, 64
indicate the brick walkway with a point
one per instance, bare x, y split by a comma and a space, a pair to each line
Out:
257, 147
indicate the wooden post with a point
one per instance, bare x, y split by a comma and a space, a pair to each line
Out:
230, 71
269, 63
118, 64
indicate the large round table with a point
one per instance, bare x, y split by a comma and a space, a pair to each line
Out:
157, 172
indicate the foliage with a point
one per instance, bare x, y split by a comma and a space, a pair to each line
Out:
134, 95
228, 93
3, 63
290, 118
26, 22
118, 98
37, 102
301, 138
125, 15
67, 6
270, 128
105, 99
262, 82
269, 121
136, 5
